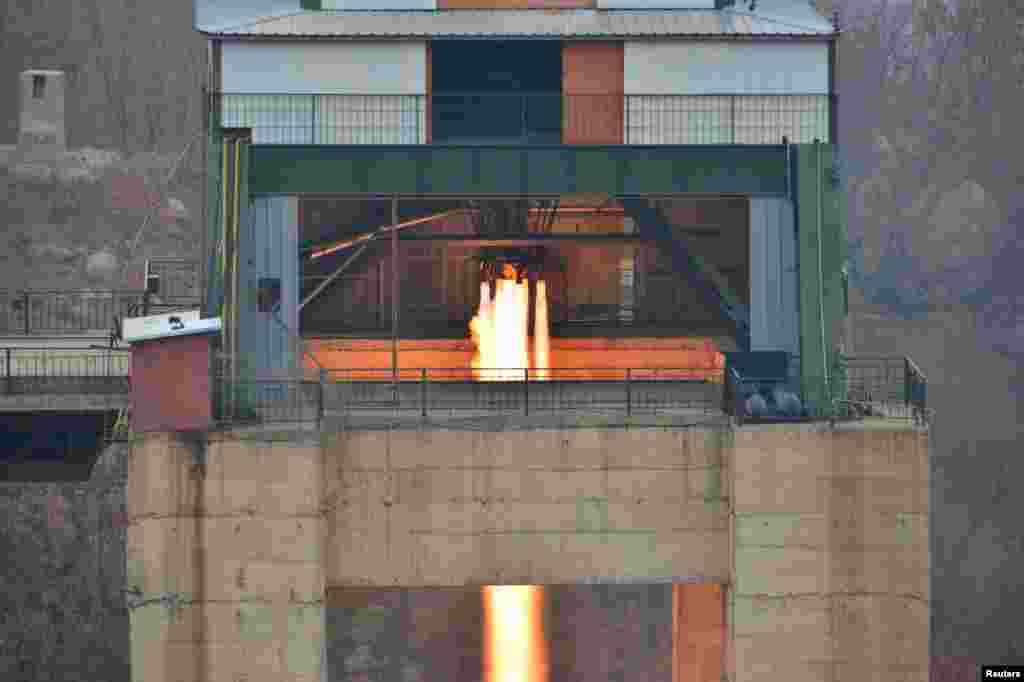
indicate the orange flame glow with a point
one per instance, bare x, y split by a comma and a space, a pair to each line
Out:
541, 343
514, 644
500, 331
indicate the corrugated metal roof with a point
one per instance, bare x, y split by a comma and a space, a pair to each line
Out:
539, 24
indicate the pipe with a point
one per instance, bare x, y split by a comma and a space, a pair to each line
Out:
394, 226
394, 296
418, 221
225, 227
821, 280
234, 265
337, 273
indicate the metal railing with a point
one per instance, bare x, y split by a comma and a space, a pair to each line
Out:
44, 371
178, 280
424, 392
860, 387
882, 386
526, 118
40, 313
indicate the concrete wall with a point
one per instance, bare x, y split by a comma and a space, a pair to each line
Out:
224, 549
819, 535
831, 567
451, 508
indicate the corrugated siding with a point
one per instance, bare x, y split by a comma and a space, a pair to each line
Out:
592, 82
663, 67
384, 68
379, 4
774, 323
712, 119
515, 4
656, 4
569, 23
269, 248
370, 93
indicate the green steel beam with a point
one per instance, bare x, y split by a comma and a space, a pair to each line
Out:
516, 170
820, 232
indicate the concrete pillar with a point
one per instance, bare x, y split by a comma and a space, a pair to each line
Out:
225, 548
262, 548
164, 572
831, 554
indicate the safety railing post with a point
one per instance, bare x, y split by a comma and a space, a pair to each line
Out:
732, 108
907, 381
526, 391
320, 394
629, 392
9, 387
423, 392
312, 119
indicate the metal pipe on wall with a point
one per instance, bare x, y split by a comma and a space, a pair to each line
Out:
225, 244
394, 297
234, 266
821, 277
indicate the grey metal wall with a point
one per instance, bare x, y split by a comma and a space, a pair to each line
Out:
774, 315
655, 4
214, 15
359, 68
664, 67
269, 248
379, 4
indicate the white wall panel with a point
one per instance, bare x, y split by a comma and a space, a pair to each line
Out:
774, 319
380, 4
365, 68
664, 67
655, 4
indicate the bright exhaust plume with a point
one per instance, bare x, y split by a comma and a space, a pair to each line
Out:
500, 331
514, 648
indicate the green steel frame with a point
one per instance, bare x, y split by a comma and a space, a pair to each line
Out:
518, 170
805, 174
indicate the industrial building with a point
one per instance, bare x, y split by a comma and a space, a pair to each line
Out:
554, 293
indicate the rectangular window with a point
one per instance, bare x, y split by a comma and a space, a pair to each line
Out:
38, 86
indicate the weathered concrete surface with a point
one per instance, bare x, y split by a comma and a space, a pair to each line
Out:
229, 532
819, 535
831, 553
452, 507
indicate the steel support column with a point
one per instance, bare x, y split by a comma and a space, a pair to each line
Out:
394, 297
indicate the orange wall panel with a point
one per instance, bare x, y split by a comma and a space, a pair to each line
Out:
699, 633
699, 355
592, 81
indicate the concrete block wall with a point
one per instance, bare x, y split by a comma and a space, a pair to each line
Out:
831, 554
818, 535
447, 508
229, 532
